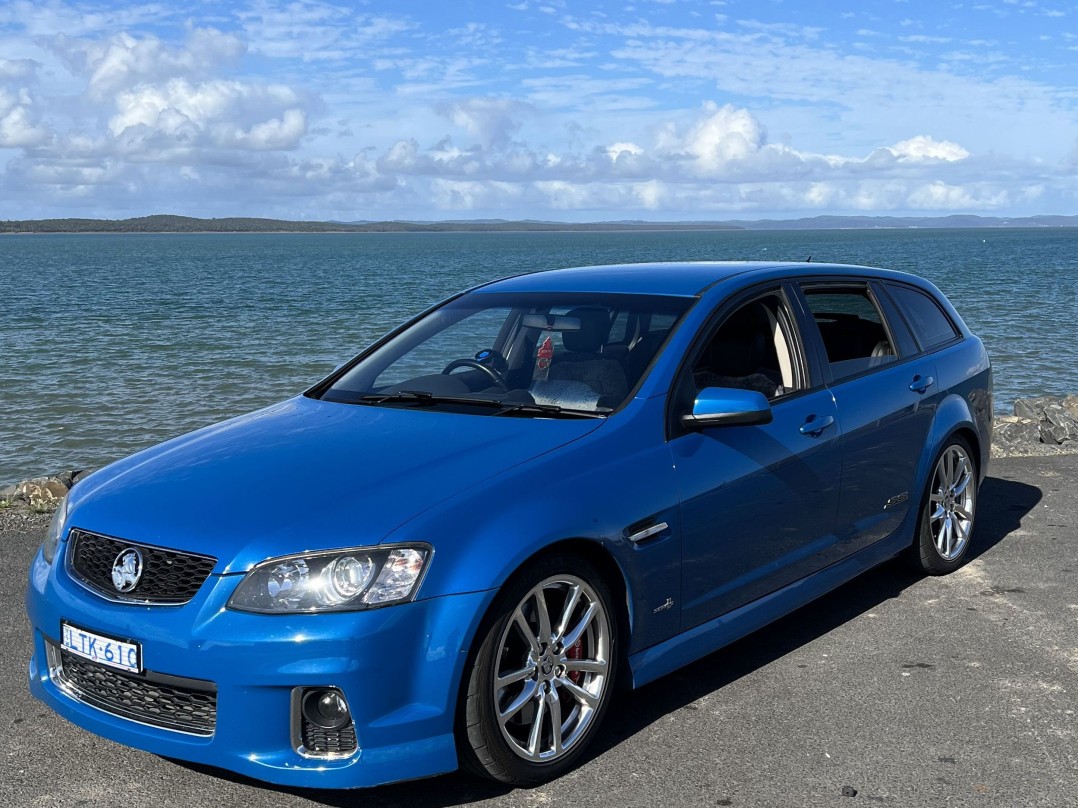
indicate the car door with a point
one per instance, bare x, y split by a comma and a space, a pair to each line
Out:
886, 396
758, 502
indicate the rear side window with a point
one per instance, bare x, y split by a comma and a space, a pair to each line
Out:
930, 324
851, 328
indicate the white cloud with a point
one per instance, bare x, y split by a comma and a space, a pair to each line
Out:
122, 60
18, 125
219, 114
720, 136
491, 120
924, 147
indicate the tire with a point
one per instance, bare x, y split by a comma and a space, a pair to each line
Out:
948, 510
543, 675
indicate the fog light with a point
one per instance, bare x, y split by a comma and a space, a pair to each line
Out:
326, 708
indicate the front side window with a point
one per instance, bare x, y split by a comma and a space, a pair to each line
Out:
851, 328
930, 325
752, 349
522, 353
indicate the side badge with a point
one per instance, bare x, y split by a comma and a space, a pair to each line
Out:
897, 499
668, 604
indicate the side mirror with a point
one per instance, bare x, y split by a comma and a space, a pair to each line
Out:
721, 406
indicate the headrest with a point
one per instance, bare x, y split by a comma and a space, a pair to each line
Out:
594, 329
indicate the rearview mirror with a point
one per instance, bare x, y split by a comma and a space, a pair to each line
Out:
722, 406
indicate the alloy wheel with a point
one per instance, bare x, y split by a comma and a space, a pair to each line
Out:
552, 668
952, 501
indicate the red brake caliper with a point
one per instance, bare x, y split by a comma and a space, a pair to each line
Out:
575, 652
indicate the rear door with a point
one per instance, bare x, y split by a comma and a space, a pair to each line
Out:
886, 393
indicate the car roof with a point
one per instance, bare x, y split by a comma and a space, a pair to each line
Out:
680, 279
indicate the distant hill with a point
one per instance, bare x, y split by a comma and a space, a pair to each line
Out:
185, 224
903, 222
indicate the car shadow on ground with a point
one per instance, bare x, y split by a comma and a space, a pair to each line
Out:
1002, 504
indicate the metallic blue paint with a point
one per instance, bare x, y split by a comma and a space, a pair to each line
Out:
761, 519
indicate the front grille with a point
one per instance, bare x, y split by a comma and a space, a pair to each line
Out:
328, 742
170, 702
168, 576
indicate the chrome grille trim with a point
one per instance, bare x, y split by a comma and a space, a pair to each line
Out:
88, 559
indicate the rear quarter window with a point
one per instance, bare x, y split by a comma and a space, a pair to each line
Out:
930, 324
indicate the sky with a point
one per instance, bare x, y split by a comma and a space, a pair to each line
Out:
660, 110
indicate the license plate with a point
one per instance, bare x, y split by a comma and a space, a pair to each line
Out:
124, 656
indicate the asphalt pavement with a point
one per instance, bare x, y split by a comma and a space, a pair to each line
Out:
893, 690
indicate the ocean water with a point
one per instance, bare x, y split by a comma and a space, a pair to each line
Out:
111, 343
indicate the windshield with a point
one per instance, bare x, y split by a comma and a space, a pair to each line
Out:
517, 353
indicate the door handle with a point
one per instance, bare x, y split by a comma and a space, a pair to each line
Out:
921, 383
815, 425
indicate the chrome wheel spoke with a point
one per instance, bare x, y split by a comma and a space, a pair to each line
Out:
960, 530
960, 487
580, 694
570, 638
567, 612
526, 694
962, 513
536, 734
507, 679
542, 614
521, 623
586, 665
554, 705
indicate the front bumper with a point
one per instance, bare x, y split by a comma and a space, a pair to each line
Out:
399, 668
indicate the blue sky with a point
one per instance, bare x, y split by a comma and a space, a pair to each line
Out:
573, 111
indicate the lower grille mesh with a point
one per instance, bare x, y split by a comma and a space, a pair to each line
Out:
329, 742
187, 705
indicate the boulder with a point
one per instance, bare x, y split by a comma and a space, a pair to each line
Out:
1052, 434
1070, 404
80, 475
9, 492
1012, 434
1033, 407
1058, 416
40, 488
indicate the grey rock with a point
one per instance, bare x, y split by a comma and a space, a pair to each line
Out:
1016, 433
1070, 404
81, 475
64, 477
1058, 416
9, 492
1052, 434
1033, 407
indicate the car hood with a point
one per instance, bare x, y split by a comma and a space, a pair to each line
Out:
305, 475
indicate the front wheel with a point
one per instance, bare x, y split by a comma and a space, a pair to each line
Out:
948, 510
543, 676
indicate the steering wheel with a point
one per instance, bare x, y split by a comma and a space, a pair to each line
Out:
494, 375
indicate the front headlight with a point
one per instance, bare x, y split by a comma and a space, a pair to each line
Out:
333, 581
56, 530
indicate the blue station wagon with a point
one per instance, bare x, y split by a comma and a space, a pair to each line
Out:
540, 489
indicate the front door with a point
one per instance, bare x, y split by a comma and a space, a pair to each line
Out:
758, 502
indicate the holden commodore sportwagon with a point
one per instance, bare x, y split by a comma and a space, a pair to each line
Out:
544, 487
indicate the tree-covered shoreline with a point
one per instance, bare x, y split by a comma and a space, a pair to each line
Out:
166, 223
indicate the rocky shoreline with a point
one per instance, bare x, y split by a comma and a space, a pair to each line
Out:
1040, 426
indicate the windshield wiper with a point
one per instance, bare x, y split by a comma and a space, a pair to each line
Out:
419, 396
549, 410
424, 399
